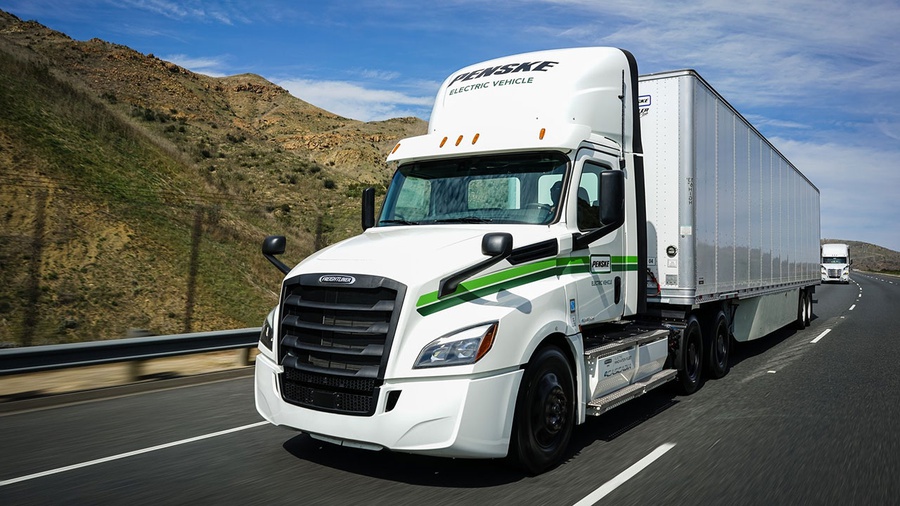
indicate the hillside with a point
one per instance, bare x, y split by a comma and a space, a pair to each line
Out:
135, 193
869, 257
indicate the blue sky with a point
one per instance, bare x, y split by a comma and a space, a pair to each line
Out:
819, 78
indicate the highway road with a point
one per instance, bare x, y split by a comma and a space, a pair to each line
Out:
803, 417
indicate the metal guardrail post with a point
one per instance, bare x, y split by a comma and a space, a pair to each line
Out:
244, 359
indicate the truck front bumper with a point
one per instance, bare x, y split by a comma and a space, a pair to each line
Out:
450, 417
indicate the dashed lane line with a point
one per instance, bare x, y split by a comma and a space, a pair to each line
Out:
624, 476
820, 336
128, 454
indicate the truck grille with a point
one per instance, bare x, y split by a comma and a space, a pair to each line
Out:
834, 273
335, 337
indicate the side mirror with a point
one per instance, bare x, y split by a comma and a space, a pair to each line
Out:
497, 244
612, 208
274, 245
612, 197
368, 208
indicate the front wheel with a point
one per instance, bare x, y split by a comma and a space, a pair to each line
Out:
545, 412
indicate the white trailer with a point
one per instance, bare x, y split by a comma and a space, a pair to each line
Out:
836, 263
729, 218
565, 237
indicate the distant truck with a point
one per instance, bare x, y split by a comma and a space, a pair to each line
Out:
566, 237
836, 263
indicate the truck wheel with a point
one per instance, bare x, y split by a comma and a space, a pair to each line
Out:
545, 412
809, 309
688, 357
720, 346
801, 311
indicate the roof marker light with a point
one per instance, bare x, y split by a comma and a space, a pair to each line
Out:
395, 148
543, 131
475, 139
443, 141
458, 140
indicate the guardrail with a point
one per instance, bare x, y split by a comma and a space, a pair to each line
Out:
133, 349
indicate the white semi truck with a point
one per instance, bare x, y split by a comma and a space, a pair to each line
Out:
836, 263
567, 236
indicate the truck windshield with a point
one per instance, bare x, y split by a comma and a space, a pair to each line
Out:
834, 260
485, 189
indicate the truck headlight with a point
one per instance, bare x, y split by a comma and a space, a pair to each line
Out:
464, 347
267, 333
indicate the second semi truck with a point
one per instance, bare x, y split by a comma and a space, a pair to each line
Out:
836, 263
567, 236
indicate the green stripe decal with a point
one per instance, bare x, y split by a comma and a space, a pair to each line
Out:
515, 276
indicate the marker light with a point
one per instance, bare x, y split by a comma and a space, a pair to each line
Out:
458, 140
475, 139
543, 131
443, 141
395, 148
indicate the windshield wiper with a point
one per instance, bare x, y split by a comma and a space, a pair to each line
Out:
397, 222
465, 219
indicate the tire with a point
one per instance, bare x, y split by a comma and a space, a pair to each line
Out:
719, 346
689, 357
800, 323
545, 412
809, 309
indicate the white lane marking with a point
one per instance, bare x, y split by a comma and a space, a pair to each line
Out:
820, 336
128, 454
624, 476
853, 306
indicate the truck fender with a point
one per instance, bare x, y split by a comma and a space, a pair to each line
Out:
572, 346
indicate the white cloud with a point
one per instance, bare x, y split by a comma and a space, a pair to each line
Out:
172, 10
379, 75
758, 49
859, 189
356, 101
214, 66
224, 13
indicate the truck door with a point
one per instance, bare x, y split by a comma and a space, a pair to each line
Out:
600, 289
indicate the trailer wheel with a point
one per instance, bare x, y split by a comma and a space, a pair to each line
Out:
720, 346
809, 309
545, 412
801, 311
688, 357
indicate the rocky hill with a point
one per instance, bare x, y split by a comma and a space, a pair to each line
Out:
135, 193
869, 257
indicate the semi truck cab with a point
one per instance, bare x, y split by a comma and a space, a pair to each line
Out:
500, 295
836, 263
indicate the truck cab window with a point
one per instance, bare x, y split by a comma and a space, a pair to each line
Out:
588, 196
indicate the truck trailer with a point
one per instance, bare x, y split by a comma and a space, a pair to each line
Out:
836, 263
566, 236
